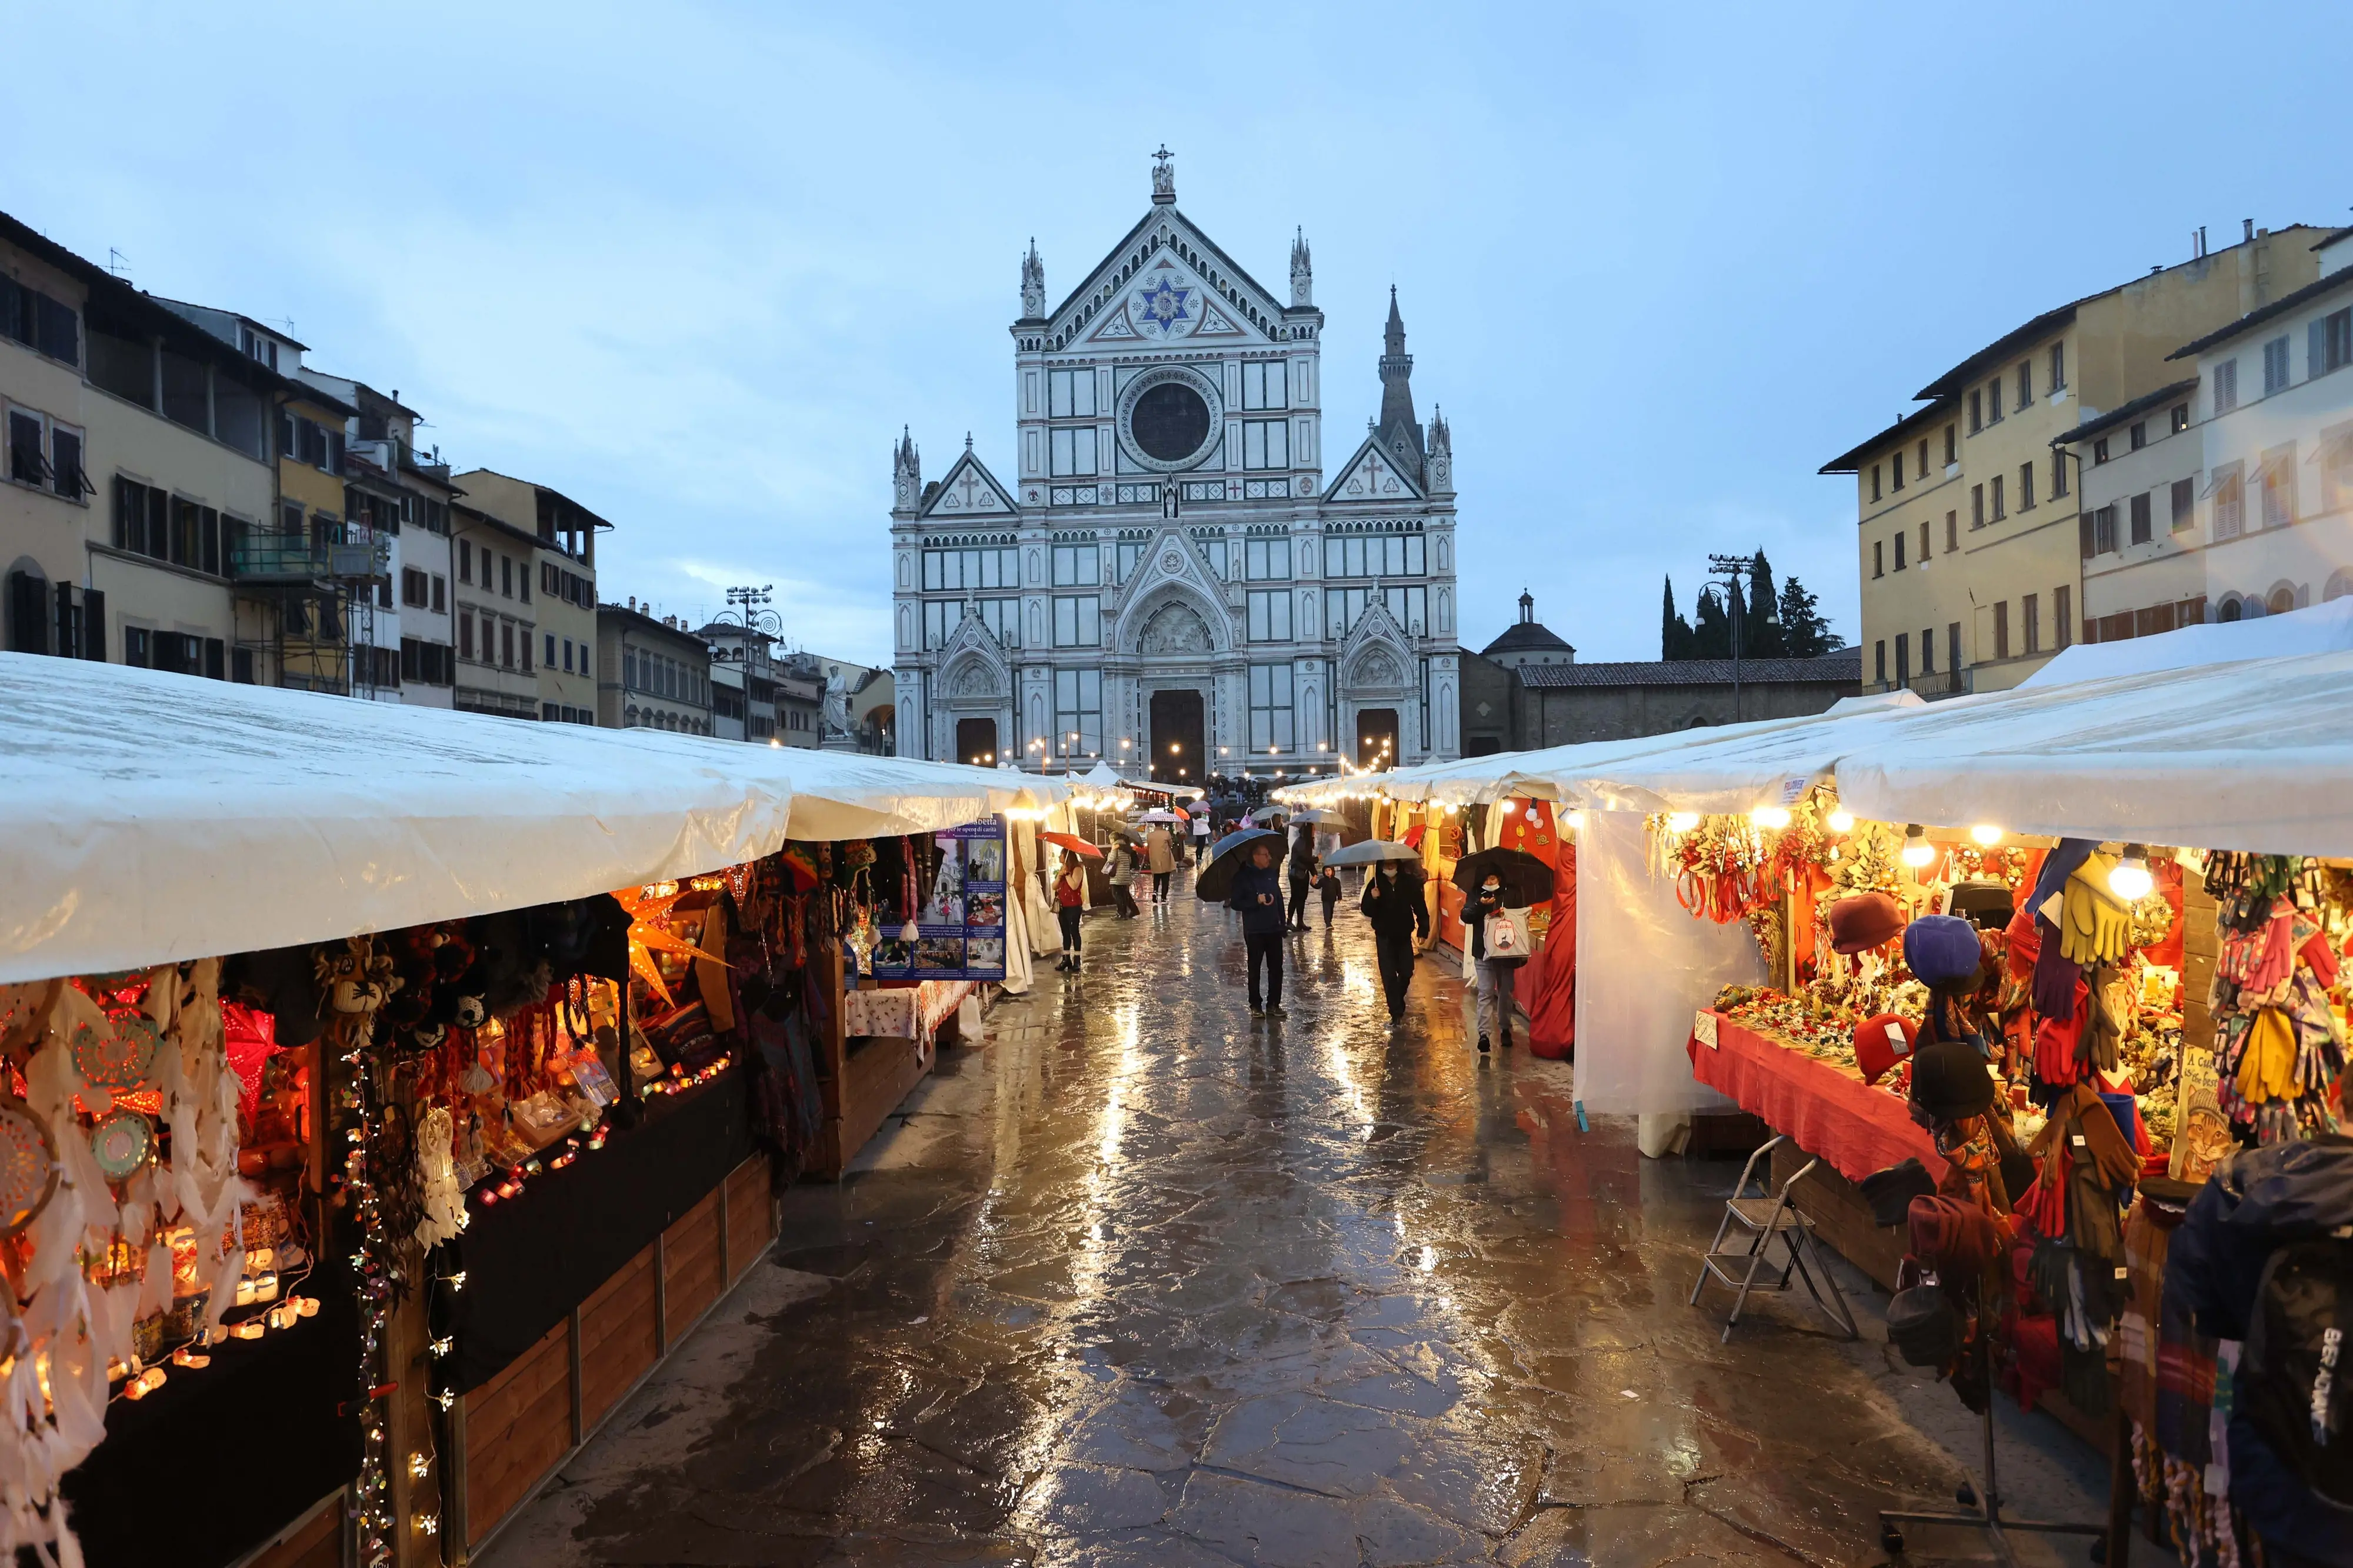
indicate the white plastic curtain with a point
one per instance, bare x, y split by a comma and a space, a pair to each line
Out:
1643, 967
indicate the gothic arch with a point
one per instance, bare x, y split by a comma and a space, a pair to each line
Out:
974, 678
1127, 634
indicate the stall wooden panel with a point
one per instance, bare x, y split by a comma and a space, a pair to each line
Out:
1842, 1218
620, 1337
876, 1076
518, 1426
691, 1267
751, 1216
316, 1543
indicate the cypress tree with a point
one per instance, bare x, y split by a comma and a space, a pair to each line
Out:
1711, 626
1762, 635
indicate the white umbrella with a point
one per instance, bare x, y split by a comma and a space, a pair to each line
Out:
1160, 816
1316, 818
1268, 813
1370, 851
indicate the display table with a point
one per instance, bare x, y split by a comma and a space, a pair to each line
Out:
1851, 1126
906, 1012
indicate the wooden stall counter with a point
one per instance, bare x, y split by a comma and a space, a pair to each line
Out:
1851, 1127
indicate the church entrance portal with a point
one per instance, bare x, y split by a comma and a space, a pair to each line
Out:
977, 741
1179, 737
1376, 736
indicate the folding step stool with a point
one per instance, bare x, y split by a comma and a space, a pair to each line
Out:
1765, 1216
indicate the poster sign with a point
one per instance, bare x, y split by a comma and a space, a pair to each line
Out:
960, 925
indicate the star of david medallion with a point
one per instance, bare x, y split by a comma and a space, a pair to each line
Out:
1169, 562
1162, 309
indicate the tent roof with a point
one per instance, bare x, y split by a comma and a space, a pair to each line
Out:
2320, 629
2249, 755
153, 818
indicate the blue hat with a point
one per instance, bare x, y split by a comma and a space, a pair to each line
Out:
1940, 950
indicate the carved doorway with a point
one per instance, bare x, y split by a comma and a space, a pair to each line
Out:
1376, 733
1179, 737
977, 741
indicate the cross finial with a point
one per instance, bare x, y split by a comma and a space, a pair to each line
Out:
1163, 175
967, 440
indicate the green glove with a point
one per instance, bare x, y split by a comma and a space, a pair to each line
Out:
2098, 927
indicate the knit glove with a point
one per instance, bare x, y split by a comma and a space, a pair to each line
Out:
2104, 1031
2097, 928
2267, 1063
2276, 955
2055, 975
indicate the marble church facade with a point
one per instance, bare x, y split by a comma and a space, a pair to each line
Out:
1167, 580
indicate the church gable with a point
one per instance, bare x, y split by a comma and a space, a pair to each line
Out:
1172, 604
1375, 656
1372, 475
968, 490
1166, 283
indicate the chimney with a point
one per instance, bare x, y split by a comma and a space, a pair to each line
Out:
2246, 228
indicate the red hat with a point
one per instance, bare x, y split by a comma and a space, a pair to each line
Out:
1881, 1042
1864, 921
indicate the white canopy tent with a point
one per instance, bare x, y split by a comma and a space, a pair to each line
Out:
2324, 628
147, 817
2253, 754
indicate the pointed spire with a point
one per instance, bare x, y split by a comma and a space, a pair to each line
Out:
1033, 283
1302, 272
1400, 431
906, 472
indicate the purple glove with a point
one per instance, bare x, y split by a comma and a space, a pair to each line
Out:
2058, 866
2054, 975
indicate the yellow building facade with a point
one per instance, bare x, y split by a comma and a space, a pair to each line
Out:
1966, 542
561, 594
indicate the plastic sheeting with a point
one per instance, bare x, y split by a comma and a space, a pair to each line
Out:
147, 817
2255, 756
1643, 967
2324, 628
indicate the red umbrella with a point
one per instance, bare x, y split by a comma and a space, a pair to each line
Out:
1071, 842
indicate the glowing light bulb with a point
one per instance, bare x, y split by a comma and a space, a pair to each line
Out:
2131, 880
1572, 820
1510, 806
1771, 817
1682, 821
1917, 850
1987, 834
1840, 821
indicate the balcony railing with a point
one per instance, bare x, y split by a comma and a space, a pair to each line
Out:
265, 555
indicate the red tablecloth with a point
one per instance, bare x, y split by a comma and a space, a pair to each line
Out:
1857, 1129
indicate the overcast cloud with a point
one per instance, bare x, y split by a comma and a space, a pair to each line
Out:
696, 265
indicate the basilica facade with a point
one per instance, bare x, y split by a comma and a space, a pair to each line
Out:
1167, 580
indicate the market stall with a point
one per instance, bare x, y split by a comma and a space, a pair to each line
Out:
400, 1196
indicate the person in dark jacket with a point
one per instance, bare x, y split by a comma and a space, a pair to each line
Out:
1303, 874
1258, 895
1393, 902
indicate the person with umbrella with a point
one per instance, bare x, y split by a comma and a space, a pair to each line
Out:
1200, 814
1120, 868
1303, 874
1257, 895
1160, 853
1070, 904
1500, 883
1397, 906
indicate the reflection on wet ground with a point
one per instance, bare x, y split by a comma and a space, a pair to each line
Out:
1146, 1281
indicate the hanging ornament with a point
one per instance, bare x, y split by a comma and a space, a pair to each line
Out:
649, 932
120, 1143
28, 1167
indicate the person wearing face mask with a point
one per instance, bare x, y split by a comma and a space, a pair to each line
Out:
1257, 896
1393, 902
1495, 970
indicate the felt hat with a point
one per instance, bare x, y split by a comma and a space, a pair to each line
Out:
1949, 1081
1941, 950
1923, 1326
1863, 920
1881, 1042
1890, 1192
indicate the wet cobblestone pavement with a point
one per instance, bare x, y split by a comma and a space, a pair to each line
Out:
1146, 1281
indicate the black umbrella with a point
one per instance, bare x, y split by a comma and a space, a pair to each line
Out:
1215, 879
1525, 879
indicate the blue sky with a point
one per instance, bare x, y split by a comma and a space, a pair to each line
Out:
695, 265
